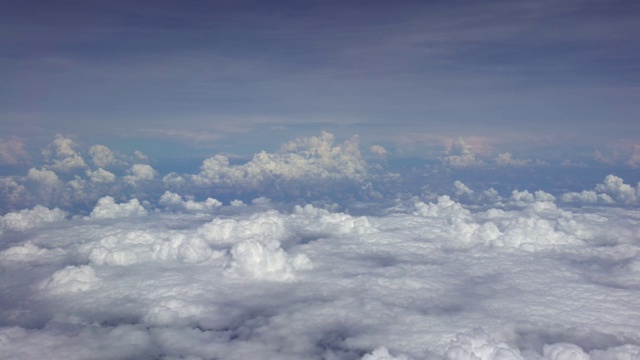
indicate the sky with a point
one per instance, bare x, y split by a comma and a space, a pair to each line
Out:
336, 180
246, 75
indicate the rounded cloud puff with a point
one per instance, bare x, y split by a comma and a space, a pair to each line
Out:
314, 220
382, 353
175, 202
28, 219
133, 247
140, 173
71, 279
311, 159
257, 260
172, 312
478, 345
268, 227
30, 253
106, 208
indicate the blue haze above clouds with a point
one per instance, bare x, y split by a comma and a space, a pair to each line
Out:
319, 180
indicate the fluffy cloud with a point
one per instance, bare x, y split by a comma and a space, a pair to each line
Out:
441, 281
101, 176
175, 202
30, 218
307, 159
107, 208
462, 189
140, 173
379, 151
62, 154
163, 275
45, 177
102, 156
461, 154
382, 353
506, 159
71, 279
616, 188
634, 158
259, 260
481, 346
612, 189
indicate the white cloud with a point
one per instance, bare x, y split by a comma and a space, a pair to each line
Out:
102, 156
461, 154
501, 283
101, 176
30, 218
12, 192
140, 173
45, 177
412, 278
612, 190
259, 260
62, 154
107, 208
462, 189
478, 345
379, 151
175, 202
139, 156
506, 159
634, 158
382, 353
71, 279
587, 196
306, 159
31, 254
616, 188
525, 198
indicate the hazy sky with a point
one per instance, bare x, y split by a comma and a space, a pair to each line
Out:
226, 74
347, 180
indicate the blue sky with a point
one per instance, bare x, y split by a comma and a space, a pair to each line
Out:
242, 76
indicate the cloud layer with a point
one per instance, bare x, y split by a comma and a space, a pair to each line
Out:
512, 279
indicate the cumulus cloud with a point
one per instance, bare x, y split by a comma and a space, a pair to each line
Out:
379, 151
178, 274
45, 177
480, 345
62, 154
616, 188
71, 279
259, 260
613, 189
461, 154
625, 154
382, 353
314, 159
12, 192
175, 202
30, 218
12, 151
514, 282
634, 158
102, 156
107, 208
140, 173
506, 159
101, 176
462, 189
